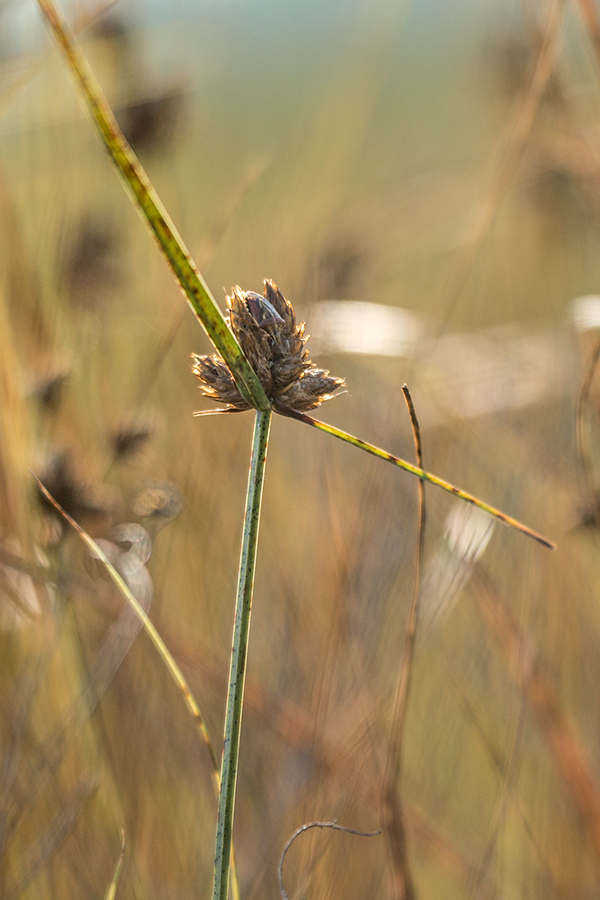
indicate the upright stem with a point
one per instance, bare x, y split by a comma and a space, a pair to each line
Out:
239, 653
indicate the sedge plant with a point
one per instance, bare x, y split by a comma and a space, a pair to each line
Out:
261, 363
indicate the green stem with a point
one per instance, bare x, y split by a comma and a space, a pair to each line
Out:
414, 470
153, 212
239, 654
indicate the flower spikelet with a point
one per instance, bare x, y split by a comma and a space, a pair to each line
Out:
275, 346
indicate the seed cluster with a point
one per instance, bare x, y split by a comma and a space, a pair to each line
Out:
275, 346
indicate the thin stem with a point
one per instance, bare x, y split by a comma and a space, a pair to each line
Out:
563, 742
239, 654
504, 165
583, 444
333, 825
414, 470
112, 888
393, 807
403, 687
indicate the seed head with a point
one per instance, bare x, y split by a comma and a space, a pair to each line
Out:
275, 346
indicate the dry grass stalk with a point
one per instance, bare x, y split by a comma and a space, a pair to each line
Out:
15, 446
391, 799
562, 742
510, 151
591, 19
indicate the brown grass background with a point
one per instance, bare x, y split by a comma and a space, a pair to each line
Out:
443, 159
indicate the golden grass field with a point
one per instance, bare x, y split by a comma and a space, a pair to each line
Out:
442, 161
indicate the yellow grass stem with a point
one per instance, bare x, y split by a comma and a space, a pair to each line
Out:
112, 888
167, 658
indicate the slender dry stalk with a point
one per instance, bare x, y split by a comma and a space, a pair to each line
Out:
334, 826
562, 741
583, 446
84, 18
506, 158
114, 883
391, 796
405, 674
591, 19
62, 823
16, 442
501, 763
500, 808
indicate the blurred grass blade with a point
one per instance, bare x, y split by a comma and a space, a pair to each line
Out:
160, 645
415, 470
153, 212
34, 858
153, 634
112, 888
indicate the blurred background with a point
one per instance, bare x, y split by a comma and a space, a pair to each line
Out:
422, 180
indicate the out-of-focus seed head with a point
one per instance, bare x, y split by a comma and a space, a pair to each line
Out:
158, 499
275, 346
79, 498
49, 390
130, 435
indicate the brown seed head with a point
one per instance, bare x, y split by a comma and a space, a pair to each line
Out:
275, 346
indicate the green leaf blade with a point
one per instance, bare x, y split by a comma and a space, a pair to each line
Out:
492, 511
154, 214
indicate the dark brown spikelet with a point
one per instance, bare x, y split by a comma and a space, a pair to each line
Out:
275, 346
